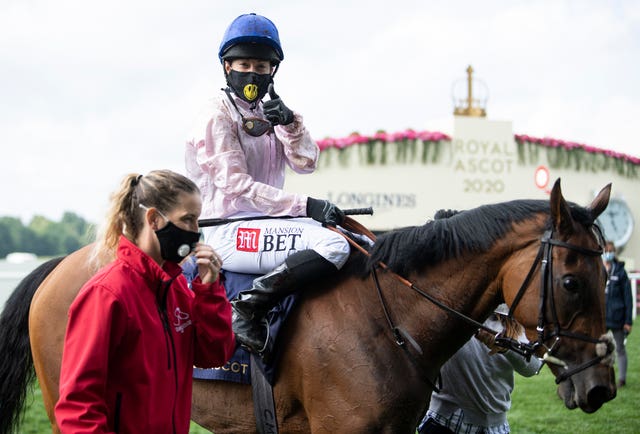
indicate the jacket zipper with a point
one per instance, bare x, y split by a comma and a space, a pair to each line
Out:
168, 338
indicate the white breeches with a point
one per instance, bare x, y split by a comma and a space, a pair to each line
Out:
258, 246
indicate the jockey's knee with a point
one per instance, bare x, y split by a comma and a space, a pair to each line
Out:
333, 247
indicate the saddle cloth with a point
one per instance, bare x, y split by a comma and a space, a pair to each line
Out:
238, 368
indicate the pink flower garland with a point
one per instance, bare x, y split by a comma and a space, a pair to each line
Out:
556, 143
435, 136
357, 139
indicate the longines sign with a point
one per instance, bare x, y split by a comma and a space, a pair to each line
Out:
379, 201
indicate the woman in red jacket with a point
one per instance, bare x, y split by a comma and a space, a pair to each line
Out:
135, 329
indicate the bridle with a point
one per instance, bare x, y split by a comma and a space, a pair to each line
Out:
543, 261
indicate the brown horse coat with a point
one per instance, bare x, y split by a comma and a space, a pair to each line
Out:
342, 370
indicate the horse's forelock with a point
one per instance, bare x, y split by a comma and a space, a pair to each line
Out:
581, 215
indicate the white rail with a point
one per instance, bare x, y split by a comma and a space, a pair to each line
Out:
634, 277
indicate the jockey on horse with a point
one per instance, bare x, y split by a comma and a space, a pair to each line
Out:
237, 156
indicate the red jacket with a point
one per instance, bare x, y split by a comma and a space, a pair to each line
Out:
135, 331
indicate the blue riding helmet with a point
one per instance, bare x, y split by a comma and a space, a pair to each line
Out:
251, 36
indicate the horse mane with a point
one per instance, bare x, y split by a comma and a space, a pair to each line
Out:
453, 233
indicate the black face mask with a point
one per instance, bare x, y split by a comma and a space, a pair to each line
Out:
249, 86
176, 243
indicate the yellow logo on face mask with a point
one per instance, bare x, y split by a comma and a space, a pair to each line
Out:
250, 91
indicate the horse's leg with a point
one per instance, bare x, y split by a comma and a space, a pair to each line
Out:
48, 322
16, 365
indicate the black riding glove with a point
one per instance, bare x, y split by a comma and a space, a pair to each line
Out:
275, 111
324, 211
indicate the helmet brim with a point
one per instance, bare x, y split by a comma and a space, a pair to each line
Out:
251, 51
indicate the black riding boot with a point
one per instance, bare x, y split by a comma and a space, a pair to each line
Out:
252, 305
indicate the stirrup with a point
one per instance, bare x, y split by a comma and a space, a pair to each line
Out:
265, 345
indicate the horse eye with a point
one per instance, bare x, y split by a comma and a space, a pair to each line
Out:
570, 283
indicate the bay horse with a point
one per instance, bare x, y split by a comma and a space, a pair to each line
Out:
345, 366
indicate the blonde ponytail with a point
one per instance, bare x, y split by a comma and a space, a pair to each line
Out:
160, 189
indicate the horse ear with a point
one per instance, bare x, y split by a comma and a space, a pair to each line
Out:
601, 201
560, 213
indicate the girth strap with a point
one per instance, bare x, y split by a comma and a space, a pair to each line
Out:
264, 408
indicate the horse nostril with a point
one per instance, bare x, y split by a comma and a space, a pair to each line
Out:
597, 396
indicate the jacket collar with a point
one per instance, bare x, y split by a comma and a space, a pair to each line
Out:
131, 254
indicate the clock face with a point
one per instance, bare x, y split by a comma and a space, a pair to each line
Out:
616, 222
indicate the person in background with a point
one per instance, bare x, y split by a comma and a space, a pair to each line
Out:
237, 155
619, 308
477, 382
135, 330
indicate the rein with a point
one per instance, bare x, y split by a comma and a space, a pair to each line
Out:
399, 333
544, 258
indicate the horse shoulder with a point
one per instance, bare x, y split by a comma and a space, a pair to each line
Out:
325, 341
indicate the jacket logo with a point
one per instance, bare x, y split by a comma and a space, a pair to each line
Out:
247, 239
182, 320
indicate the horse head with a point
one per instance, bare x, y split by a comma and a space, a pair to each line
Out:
565, 302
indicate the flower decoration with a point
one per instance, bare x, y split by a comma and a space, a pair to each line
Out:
568, 154
374, 149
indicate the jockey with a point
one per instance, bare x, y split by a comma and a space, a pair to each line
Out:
237, 156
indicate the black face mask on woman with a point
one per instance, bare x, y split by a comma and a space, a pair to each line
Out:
175, 243
249, 86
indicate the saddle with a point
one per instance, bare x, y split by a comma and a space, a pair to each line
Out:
238, 368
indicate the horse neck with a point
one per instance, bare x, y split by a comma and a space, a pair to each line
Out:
471, 285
